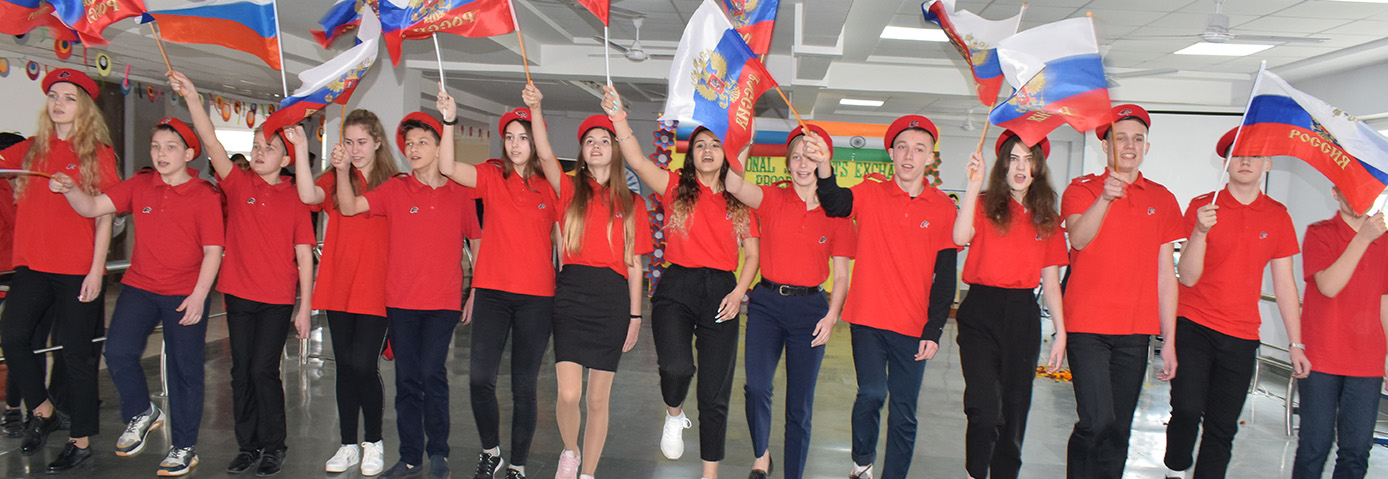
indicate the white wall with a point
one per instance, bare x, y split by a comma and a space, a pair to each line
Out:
23, 101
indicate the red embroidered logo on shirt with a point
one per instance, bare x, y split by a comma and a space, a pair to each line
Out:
925, 224
823, 239
147, 210
1151, 211
72, 166
250, 201
1263, 235
414, 209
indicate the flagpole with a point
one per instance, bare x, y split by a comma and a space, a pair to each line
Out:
438, 53
607, 53
981, 139
1223, 172
799, 120
525, 62
279, 47
160, 41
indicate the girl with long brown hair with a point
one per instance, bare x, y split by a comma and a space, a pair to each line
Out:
699, 296
60, 261
1015, 243
351, 287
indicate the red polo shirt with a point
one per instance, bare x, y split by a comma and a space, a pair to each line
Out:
1113, 280
424, 265
1344, 334
352, 272
709, 239
898, 238
48, 235
517, 253
1237, 249
1014, 260
797, 242
604, 245
172, 225
264, 224
6, 228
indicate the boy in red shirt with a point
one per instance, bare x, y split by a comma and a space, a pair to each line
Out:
903, 221
1122, 290
178, 249
1346, 311
1232, 238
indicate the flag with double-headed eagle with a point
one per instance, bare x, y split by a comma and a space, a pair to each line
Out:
715, 80
976, 39
89, 18
416, 19
245, 25
1059, 78
342, 17
18, 17
1282, 120
331, 82
755, 20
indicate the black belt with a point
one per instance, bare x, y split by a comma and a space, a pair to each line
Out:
788, 290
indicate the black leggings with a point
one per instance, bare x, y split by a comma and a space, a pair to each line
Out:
357, 343
495, 315
33, 295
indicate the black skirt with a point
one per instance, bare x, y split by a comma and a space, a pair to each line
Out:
592, 312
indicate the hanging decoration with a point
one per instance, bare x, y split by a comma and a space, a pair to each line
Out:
236, 106
226, 111
250, 117
4, 67
125, 83
32, 69
63, 49
103, 64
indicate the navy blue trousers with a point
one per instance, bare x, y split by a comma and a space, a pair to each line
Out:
420, 340
776, 323
137, 313
888, 373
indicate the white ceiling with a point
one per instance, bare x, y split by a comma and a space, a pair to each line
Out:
838, 53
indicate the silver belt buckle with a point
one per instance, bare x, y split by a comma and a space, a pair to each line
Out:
782, 290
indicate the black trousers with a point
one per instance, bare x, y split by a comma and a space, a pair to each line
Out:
1108, 373
682, 310
1208, 394
14, 398
257, 333
526, 319
32, 295
357, 343
999, 340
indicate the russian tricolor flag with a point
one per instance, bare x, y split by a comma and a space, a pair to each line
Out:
976, 39
1059, 78
754, 19
331, 82
341, 17
89, 18
715, 79
412, 20
1284, 121
245, 25
18, 17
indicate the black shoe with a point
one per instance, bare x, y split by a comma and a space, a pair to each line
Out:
487, 466
36, 432
71, 458
243, 461
760, 474
438, 468
13, 423
270, 463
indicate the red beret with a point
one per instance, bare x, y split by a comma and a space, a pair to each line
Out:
1125, 112
595, 121
185, 132
1045, 143
521, 113
427, 119
907, 122
68, 75
1226, 142
818, 130
288, 147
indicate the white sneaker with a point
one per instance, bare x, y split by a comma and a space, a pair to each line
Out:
568, 465
373, 459
347, 456
672, 438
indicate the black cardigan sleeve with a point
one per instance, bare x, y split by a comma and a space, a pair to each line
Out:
836, 200
941, 294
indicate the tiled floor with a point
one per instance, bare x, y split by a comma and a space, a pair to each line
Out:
1261, 449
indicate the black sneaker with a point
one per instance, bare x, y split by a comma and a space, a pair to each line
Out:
36, 432
13, 423
72, 457
243, 462
438, 468
487, 466
402, 471
270, 463
514, 474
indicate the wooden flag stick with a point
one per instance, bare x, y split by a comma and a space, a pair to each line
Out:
342, 126
1112, 148
799, 120
160, 41
981, 140
525, 62
6, 172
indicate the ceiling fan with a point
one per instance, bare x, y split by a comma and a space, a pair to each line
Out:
1217, 31
635, 53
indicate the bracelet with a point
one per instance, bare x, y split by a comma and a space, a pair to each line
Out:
635, 316
617, 116
1301, 346
451, 123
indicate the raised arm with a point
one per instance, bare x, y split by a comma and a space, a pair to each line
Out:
1192, 264
749, 194
1084, 227
348, 203
650, 173
1289, 304
836, 200
84, 204
964, 220
309, 192
549, 162
462, 173
1333, 279
202, 123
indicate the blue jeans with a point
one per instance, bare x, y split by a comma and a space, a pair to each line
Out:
137, 313
776, 322
420, 340
1338, 408
886, 367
